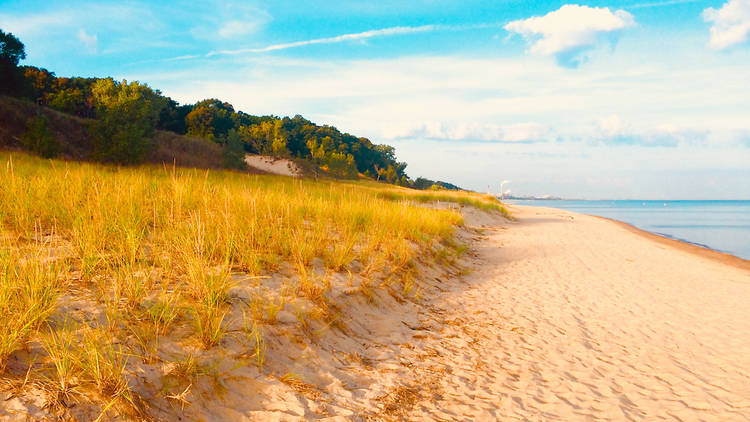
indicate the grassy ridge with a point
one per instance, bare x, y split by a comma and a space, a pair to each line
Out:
156, 250
481, 201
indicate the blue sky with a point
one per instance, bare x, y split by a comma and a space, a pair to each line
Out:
604, 99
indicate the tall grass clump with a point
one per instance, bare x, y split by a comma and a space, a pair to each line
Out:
28, 291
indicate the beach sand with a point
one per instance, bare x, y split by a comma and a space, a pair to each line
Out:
574, 317
563, 317
273, 165
554, 316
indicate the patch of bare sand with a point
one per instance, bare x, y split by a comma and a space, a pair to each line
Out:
273, 165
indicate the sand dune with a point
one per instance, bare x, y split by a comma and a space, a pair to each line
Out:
562, 317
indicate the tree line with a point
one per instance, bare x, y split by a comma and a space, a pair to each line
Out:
126, 114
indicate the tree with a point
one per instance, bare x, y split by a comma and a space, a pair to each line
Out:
69, 100
39, 139
268, 137
39, 82
172, 117
233, 151
278, 146
11, 52
127, 114
210, 119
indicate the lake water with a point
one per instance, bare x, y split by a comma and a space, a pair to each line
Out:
719, 225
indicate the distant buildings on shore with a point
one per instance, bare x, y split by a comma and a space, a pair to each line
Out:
532, 197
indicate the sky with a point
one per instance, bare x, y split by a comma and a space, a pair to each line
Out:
645, 99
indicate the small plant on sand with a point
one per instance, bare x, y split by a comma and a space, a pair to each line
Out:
60, 344
163, 311
28, 291
254, 331
149, 323
102, 364
208, 318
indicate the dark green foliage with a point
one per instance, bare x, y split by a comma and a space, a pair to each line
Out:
172, 117
67, 100
424, 184
11, 52
11, 49
39, 139
68, 95
233, 152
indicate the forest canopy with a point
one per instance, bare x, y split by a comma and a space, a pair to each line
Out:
127, 114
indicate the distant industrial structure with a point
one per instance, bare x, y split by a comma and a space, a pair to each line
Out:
502, 192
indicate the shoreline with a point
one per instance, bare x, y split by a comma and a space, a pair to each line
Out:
683, 245
704, 251
605, 321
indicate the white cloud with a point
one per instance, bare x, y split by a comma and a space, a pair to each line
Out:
480, 98
330, 40
689, 113
27, 25
731, 23
518, 132
240, 20
570, 28
613, 130
90, 41
660, 3
612, 125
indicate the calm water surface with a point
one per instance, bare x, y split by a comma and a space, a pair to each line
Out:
720, 225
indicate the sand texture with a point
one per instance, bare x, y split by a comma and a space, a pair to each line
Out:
564, 317
273, 165
571, 317
560, 316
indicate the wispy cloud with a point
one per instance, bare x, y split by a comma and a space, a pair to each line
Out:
27, 25
384, 32
613, 130
661, 3
471, 132
236, 28
90, 41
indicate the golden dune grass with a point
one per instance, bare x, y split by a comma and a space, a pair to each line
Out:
154, 247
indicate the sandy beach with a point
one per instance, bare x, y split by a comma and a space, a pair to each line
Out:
565, 317
552, 316
572, 317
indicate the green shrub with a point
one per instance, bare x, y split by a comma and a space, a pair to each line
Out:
232, 151
39, 139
